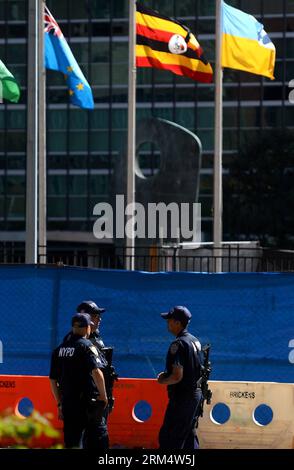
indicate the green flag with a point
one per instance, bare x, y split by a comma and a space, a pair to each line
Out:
9, 88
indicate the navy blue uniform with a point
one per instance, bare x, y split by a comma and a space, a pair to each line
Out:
72, 364
178, 429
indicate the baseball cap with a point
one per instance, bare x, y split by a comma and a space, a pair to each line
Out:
179, 313
88, 306
81, 320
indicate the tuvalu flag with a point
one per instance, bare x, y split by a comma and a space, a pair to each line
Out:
165, 43
59, 57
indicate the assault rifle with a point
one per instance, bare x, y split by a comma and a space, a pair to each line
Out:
203, 381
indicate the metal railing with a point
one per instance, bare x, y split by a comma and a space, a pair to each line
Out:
233, 258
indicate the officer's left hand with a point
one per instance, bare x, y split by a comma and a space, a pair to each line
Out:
161, 376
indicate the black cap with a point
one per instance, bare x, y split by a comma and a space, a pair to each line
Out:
88, 306
81, 320
178, 313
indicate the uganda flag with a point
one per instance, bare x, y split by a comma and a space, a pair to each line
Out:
165, 43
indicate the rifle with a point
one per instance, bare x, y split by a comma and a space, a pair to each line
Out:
110, 376
202, 382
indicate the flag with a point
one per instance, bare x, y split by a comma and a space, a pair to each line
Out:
164, 43
245, 44
58, 56
9, 88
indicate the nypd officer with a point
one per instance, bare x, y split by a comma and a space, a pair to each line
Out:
182, 372
78, 386
95, 312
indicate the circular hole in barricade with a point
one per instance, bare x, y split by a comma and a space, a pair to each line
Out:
24, 408
142, 411
263, 415
220, 413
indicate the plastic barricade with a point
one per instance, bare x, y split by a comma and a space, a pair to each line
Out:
241, 415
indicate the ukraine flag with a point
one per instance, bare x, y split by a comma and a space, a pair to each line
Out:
245, 44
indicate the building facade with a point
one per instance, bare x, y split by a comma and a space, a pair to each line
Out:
83, 146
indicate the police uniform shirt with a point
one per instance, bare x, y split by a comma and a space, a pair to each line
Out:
72, 364
184, 352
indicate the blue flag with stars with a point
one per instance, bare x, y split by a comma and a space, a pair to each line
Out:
59, 57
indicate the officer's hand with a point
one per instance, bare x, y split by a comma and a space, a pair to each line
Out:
161, 376
104, 401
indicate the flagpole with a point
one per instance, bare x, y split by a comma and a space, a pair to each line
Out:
218, 143
32, 136
42, 143
131, 152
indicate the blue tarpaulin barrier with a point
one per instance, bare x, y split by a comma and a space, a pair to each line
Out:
248, 318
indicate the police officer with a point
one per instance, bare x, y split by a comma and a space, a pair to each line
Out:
182, 372
90, 307
78, 386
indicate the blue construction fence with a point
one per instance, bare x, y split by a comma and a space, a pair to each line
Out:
247, 318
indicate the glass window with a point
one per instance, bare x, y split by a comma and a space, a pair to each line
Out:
78, 141
58, 9
100, 161
2, 11
100, 118
16, 54
56, 207
272, 116
289, 110
16, 119
99, 140
80, 51
15, 184
120, 9
272, 6
2, 206
78, 207
119, 73
290, 6
164, 113
185, 117
57, 141
144, 113
230, 116
249, 6
206, 184
99, 8
78, 185
120, 51
99, 74
78, 161
78, 118
250, 117
99, 184
16, 162
16, 141
100, 52
15, 207
230, 139
56, 185
57, 119
119, 118
205, 117
17, 10
2, 185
